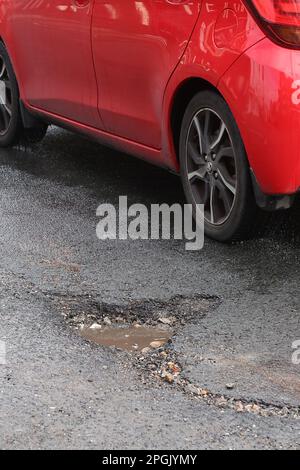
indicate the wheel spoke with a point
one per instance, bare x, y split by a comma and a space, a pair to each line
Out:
225, 195
199, 132
206, 194
206, 132
3, 102
194, 154
7, 84
211, 202
225, 152
197, 175
8, 109
227, 181
218, 139
2, 70
203, 135
5, 98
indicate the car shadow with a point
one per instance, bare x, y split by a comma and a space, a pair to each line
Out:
71, 160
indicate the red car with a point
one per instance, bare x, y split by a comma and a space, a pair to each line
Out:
209, 89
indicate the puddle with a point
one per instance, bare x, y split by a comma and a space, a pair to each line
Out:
127, 338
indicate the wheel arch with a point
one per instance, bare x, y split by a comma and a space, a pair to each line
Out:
182, 96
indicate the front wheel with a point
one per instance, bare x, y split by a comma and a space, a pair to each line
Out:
12, 130
215, 169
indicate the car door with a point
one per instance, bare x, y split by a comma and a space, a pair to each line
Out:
137, 45
52, 47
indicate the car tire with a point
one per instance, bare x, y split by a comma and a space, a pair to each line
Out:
215, 170
12, 130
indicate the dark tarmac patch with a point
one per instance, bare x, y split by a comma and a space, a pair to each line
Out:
83, 310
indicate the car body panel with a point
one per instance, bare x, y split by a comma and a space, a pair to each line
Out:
137, 45
209, 55
264, 98
51, 51
73, 69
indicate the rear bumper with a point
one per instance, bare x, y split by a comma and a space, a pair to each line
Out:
262, 89
271, 202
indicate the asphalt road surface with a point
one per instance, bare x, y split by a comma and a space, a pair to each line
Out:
235, 311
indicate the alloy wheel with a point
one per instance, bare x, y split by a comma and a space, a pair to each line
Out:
211, 166
5, 98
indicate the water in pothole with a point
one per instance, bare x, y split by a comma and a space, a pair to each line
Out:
126, 338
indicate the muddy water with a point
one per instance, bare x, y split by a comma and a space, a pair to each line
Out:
129, 338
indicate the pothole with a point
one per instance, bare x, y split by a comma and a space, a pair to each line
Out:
83, 311
146, 330
128, 338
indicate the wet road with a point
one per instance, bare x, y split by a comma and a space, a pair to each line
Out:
59, 391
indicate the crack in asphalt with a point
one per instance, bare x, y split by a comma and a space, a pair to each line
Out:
158, 363
258, 407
